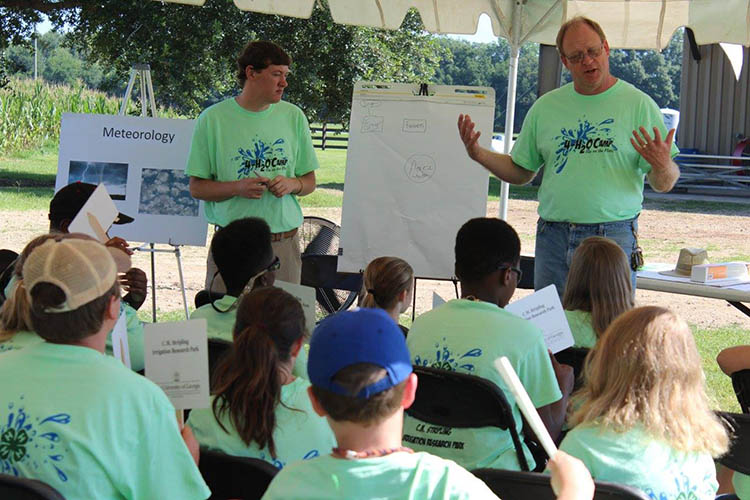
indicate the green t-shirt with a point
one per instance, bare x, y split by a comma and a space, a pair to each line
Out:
135, 337
592, 172
232, 143
19, 340
300, 434
580, 325
468, 336
741, 483
635, 459
221, 326
399, 475
90, 428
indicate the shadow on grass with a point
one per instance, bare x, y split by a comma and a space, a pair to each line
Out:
338, 186
699, 207
26, 180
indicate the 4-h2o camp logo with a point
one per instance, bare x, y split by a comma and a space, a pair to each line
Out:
31, 442
585, 139
267, 160
445, 359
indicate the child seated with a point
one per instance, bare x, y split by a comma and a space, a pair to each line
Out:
362, 381
469, 333
388, 284
644, 418
16, 331
260, 409
597, 290
244, 258
74, 418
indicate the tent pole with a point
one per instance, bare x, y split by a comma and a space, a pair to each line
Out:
510, 106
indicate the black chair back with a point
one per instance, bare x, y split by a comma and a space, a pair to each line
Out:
453, 399
741, 384
235, 477
203, 297
21, 488
334, 291
738, 456
527, 267
515, 485
574, 356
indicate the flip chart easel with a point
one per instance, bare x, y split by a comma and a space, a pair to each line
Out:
143, 73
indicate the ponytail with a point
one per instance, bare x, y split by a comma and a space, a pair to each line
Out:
249, 379
15, 313
250, 399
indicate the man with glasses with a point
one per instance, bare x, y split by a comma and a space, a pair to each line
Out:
597, 137
469, 333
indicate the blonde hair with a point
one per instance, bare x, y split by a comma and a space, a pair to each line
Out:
572, 22
384, 279
646, 371
599, 282
15, 313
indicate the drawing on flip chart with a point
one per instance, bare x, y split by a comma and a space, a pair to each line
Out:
412, 126
419, 168
371, 123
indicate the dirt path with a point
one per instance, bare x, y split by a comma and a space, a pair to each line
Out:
663, 233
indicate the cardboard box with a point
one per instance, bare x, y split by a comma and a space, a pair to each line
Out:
723, 270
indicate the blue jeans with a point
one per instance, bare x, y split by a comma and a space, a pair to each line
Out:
556, 242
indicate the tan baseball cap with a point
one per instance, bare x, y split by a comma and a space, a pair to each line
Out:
83, 269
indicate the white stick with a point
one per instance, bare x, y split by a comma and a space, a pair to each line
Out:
510, 378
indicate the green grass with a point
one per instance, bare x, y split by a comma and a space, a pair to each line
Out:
12, 198
710, 342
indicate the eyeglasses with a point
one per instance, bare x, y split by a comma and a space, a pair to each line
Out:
593, 53
275, 265
513, 268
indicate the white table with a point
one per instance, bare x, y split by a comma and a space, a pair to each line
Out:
735, 295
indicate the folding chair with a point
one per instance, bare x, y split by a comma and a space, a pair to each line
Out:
527, 267
452, 399
741, 384
21, 488
202, 298
575, 357
515, 485
235, 477
334, 291
738, 456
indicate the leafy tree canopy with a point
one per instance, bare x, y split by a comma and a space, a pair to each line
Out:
192, 51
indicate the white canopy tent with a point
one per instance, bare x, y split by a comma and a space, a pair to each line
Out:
633, 24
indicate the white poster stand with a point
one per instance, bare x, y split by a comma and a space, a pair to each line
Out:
409, 182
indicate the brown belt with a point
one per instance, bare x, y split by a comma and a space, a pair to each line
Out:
284, 235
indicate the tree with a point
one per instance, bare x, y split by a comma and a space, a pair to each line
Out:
192, 51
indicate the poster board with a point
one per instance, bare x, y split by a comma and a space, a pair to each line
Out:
409, 183
141, 161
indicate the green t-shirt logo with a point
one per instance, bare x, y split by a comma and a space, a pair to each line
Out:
586, 138
261, 158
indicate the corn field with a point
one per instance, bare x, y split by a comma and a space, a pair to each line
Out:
30, 111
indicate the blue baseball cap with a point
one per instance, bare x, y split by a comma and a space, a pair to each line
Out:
358, 336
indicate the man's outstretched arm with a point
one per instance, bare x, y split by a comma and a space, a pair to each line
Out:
501, 165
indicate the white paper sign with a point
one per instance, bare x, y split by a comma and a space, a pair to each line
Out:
544, 309
176, 356
95, 216
142, 163
306, 296
437, 300
409, 182
120, 347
